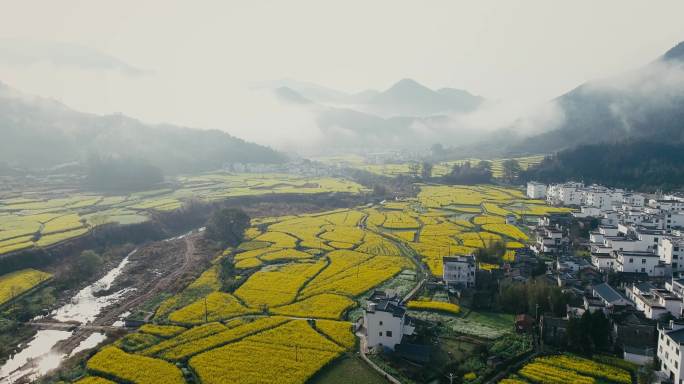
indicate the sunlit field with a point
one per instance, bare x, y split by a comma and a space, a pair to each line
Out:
316, 267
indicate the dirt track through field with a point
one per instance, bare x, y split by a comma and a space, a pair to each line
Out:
159, 267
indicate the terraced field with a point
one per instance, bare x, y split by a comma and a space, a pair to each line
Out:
297, 279
441, 169
46, 219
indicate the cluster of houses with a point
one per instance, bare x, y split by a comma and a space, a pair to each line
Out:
639, 242
632, 271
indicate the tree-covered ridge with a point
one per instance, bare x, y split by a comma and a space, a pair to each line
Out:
41, 133
634, 164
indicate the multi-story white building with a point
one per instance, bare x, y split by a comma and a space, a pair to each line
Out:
666, 205
587, 212
601, 197
652, 237
603, 261
565, 194
638, 262
536, 190
634, 199
676, 286
459, 270
620, 243
670, 351
654, 302
671, 251
385, 321
549, 240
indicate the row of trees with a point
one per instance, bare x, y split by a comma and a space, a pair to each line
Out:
468, 172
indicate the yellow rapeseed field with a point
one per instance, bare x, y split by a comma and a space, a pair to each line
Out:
113, 362
324, 306
16, 283
278, 285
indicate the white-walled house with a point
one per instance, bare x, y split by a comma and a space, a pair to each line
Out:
603, 198
654, 302
666, 205
671, 251
608, 230
641, 262
566, 194
385, 321
596, 237
603, 261
459, 270
536, 190
587, 212
549, 240
634, 199
670, 351
619, 243
676, 286
652, 237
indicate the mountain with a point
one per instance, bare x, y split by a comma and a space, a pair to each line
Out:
647, 103
41, 133
288, 95
406, 98
410, 98
407, 115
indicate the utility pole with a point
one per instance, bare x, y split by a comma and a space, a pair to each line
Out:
206, 312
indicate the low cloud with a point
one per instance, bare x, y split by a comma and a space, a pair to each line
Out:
26, 52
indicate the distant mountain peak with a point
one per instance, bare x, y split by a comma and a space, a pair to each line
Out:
675, 53
408, 84
289, 95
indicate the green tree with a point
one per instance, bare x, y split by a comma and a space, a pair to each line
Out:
511, 170
227, 225
426, 170
88, 263
485, 165
600, 330
492, 253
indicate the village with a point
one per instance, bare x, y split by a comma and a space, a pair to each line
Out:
618, 254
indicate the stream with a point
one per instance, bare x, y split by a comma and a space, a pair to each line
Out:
37, 357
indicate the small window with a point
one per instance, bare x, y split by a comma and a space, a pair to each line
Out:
643, 261
631, 259
380, 333
380, 322
389, 333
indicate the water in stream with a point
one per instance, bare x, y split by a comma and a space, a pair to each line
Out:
82, 308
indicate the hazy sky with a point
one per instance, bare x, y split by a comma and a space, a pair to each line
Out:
191, 62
